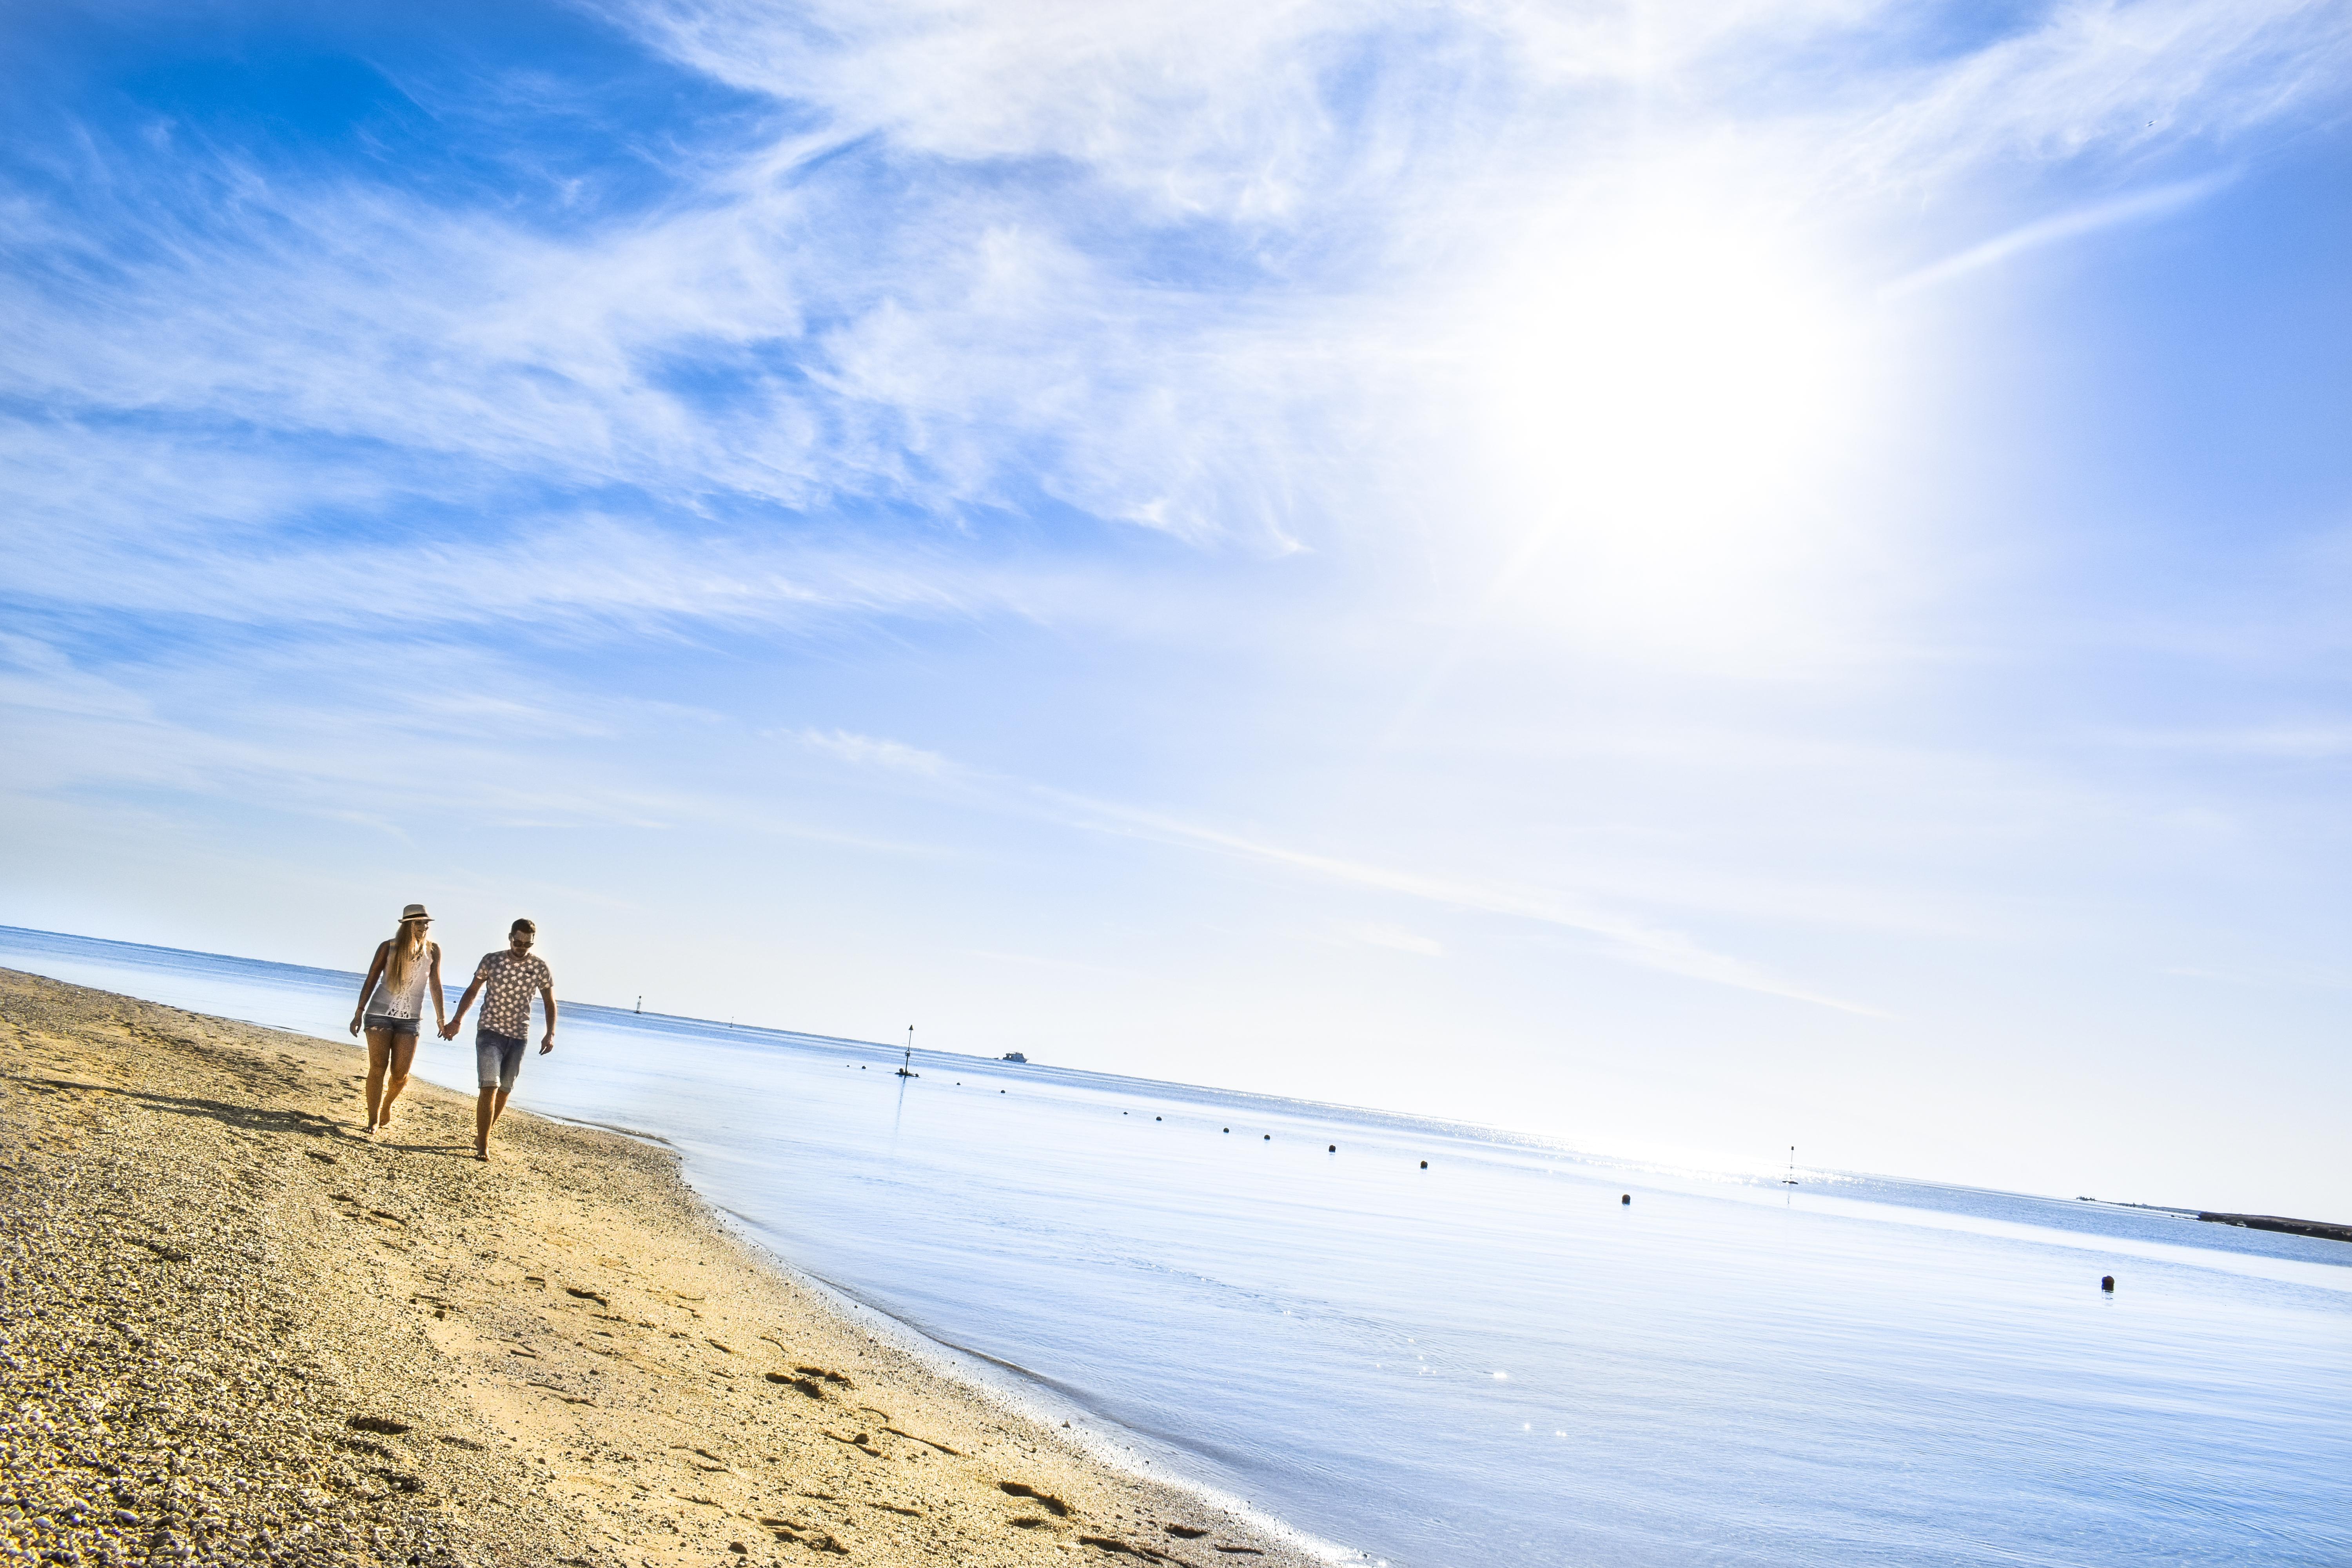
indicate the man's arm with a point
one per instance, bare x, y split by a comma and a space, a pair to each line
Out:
547, 995
449, 1029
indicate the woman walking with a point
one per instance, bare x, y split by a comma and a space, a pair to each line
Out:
392, 1007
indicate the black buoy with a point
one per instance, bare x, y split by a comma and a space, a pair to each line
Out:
1155, 1118
1335, 1148
1226, 1130
1269, 1137
2108, 1283
1425, 1165
1626, 1199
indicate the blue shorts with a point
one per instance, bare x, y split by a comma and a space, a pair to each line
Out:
385, 1023
497, 1059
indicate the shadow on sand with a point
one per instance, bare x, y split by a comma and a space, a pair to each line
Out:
244, 1118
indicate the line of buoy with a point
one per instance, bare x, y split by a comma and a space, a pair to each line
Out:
908, 1061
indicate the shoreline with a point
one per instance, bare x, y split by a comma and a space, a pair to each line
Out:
1697, 1164
241, 1332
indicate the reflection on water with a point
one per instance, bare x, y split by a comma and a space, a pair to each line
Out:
1493, 1360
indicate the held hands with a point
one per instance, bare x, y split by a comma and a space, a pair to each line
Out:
449, 1029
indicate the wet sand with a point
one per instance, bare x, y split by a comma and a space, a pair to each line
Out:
232, 1329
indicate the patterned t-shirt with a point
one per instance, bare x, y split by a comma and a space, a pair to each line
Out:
506, 996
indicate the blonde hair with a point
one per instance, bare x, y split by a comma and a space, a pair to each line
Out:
409, 949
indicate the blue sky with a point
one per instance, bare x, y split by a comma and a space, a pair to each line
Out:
1695, 577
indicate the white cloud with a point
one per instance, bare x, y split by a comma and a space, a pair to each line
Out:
2106, 77
2323, 740
2082, 221
1396, 939
1621, 935
986, 333
865, 750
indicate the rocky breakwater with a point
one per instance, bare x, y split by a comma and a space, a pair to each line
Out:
2323, 1229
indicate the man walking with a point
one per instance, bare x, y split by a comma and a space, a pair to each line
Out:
499, 1040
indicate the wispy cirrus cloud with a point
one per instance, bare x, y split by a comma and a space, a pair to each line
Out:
2104, 78
2137, 207
869, 751
1621, 935
1171, 270
2312, 742
1396, 939
573, 573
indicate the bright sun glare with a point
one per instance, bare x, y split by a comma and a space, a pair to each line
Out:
1668, 395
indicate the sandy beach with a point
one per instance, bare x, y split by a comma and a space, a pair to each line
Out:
237, 1332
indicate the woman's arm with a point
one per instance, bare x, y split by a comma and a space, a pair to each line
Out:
440, 1003
367, 986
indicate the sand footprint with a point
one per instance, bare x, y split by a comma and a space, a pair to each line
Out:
1045, 1500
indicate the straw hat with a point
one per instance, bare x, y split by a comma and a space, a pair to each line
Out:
413, 912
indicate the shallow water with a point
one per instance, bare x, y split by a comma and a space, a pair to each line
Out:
1493, 1360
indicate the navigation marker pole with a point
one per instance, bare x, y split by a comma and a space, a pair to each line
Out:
1791, 1179
906, 1068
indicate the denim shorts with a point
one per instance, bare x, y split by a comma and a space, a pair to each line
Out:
497, 1059
386, 1024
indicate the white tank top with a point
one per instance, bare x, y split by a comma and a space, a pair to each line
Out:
408, 1001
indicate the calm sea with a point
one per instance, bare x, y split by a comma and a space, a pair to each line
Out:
1493, 1360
